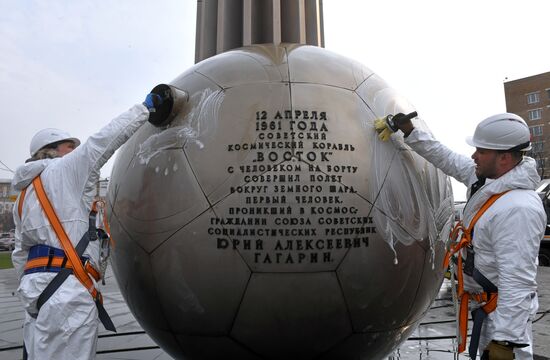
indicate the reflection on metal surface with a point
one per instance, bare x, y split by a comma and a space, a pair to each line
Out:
269, 228
195, 124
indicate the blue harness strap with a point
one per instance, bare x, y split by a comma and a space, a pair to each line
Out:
43, 251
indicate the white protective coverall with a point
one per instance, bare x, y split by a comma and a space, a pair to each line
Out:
506, 239
67, 325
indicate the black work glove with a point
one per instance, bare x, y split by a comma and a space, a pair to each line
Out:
401, 122
498, 351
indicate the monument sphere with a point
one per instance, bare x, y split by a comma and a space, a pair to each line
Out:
267, 221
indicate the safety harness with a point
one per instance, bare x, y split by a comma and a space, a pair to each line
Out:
488, 298
66, 261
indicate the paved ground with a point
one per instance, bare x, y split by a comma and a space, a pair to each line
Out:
433, 340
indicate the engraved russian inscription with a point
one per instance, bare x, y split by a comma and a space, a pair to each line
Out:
294, 205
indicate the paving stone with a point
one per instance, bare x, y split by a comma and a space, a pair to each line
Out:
432, 340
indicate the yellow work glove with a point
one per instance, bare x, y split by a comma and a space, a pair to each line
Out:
381, 127
496, 351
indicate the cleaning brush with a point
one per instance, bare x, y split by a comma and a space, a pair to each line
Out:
387, 125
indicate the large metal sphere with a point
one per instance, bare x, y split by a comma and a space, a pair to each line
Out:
269, 222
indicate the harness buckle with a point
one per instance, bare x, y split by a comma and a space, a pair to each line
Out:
50, 257
93, 235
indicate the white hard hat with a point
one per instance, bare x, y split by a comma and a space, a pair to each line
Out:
49, 136
502, 132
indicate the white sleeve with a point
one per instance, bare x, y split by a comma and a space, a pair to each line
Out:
83, 164
18, 256
459, 166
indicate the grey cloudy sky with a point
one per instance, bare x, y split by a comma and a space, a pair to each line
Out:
76, 64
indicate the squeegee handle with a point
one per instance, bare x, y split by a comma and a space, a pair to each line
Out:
409, 116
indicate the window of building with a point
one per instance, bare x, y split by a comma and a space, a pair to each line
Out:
536, 130
548, 92
537, 146
535, 114
4, 208
533, 98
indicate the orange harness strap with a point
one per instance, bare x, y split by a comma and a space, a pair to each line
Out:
20, 202
100, 205
489, 300
57, 261
70, 252
466, 233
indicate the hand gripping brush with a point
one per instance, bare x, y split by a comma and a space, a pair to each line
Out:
388, 125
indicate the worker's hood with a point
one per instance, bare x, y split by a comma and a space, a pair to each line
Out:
26, 173
523, 176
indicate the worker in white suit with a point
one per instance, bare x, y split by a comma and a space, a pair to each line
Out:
66, 325
506, 238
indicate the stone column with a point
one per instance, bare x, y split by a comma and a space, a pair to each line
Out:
223, 25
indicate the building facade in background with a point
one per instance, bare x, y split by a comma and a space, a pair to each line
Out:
530, 98
7, 199
8, 196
